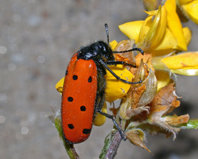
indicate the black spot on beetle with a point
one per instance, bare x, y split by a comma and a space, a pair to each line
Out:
71, 126
70, 99
82, 108
90, 79
75, 77
86, 131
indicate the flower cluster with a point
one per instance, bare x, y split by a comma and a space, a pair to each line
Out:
146, 106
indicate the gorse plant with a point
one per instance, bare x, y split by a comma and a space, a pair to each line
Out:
145, 107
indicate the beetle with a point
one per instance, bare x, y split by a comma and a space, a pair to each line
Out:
84, 89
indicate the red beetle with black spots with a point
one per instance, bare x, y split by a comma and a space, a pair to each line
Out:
84, 89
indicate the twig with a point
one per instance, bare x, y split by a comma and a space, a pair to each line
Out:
112, 142
71, 150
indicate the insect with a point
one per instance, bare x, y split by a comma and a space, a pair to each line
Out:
84, 89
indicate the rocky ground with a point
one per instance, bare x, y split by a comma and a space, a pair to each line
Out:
37, 39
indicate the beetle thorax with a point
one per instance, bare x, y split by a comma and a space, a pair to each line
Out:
95, 51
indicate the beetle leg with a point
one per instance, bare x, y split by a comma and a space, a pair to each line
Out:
116, 76
122, 134
119, 62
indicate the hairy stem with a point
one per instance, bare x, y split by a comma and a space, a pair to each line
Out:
111, 145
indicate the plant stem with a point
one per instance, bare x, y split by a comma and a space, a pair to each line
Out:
113, 148
112, 142
71, 151
68, 147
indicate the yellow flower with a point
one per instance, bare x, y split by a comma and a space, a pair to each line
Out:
100, 119
184, 64
59, 85
189, 8
116, 89
163, 78
160, 33
186, 9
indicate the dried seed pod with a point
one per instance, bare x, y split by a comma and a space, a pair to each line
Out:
151, 89
137, 137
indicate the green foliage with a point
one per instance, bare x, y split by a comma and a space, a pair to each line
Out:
192, 124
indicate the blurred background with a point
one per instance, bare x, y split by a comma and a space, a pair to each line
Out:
37, 40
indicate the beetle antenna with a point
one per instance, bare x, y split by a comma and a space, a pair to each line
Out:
116, 52
107, 32
134, 49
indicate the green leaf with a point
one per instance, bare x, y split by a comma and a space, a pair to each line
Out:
57, 123
192, 124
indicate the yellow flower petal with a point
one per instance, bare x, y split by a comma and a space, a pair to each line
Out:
168, 42
157, 64
161, 28
152, 12
181, 61
181, 2
152, 31
186, 72
113, 44
100, 119
116, 89
167, 45
187, 34
175, 25
191, 9
131, 29
163, 79
170, 5
59, 85
147, 32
